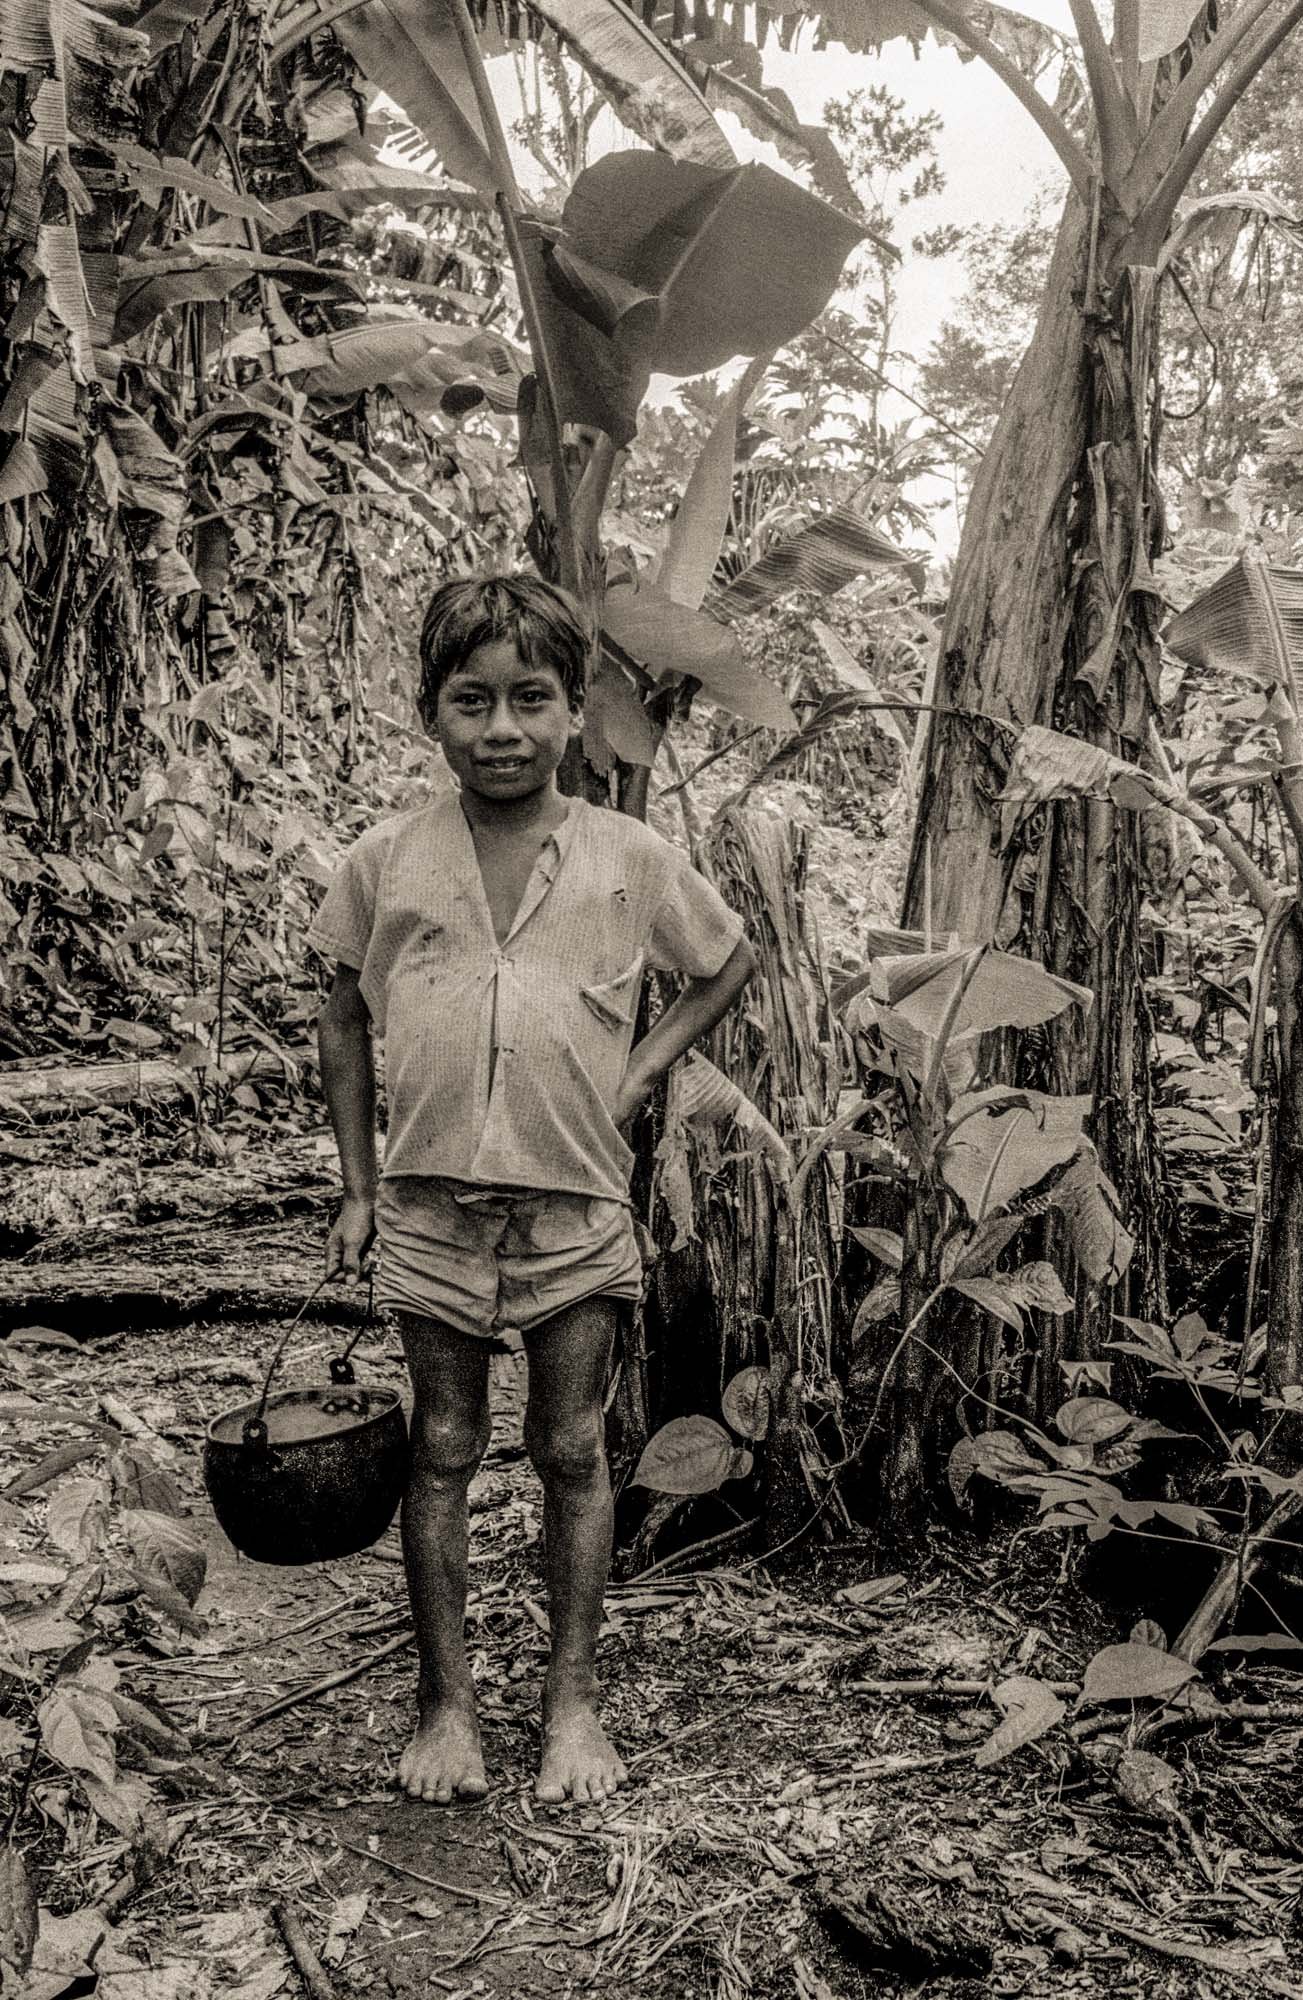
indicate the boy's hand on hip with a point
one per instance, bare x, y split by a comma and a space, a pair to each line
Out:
351, 1237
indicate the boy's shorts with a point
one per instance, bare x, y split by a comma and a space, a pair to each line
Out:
496, 1262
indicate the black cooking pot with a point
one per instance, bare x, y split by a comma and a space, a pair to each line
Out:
307, 1475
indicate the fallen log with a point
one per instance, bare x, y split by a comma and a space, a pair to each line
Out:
220, 1274
34, 1092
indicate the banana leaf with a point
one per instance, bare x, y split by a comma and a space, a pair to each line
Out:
670, 641
822, 557
1249, 622
642, 79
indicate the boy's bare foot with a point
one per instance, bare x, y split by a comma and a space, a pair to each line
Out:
578, 1761
443, 1761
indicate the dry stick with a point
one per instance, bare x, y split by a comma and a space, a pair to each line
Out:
968, 1688
323, 1686
427, 1881
311, 1970
724, 1539
895, 1767
668, 1742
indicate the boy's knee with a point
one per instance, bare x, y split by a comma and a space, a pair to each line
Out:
448, 1447
569, 1453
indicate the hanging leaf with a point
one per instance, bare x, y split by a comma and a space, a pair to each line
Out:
665, 638
697, 531
1030, 1710
887, 1245
691, 1455
703, 1093
1049, 765
1163, 25
410, 50
971, 1258
152, 173
644, 82
616, 723
1244, 623
881, 1302
999, 991
1088, 1201
1133, 1673
746, 1402
1224, 216
822, 558
994, 1295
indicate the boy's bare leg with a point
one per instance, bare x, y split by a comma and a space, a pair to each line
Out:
450, 1429
568, 1358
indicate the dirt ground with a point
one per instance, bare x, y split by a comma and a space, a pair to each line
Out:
776, 1778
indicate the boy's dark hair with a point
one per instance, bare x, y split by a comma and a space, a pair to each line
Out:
545, 624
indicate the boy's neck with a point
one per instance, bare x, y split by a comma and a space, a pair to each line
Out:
538, 812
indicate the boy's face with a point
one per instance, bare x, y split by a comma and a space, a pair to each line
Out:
504, 726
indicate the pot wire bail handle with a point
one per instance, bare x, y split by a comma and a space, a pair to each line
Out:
255, 1427
341, 1368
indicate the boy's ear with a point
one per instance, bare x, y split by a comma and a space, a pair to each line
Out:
576, 723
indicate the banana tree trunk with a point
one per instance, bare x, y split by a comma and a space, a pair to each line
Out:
1052, 620
1285, 1312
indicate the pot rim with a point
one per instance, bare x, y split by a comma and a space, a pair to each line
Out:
241, 1412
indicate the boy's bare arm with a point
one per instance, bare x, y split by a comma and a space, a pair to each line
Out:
695, 1012
349, 1079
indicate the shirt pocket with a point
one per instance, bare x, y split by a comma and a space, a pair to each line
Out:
615, 1001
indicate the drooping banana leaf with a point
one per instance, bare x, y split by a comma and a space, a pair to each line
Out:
696, 533
642, 79
1249, 622
822, 557
667, 640
410, 50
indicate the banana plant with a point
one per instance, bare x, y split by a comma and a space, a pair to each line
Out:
969, 1165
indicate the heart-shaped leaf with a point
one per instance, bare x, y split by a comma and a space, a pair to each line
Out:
1030, 1709
691, 1455
1133, 1673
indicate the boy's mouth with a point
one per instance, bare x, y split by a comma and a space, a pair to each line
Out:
502, 763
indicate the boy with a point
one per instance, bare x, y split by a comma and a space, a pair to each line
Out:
497, 938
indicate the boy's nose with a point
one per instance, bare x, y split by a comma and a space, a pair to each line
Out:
502, 726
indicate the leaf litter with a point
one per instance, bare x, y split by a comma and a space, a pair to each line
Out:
840, 1782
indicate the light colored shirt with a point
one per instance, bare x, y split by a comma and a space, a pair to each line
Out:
503, 1061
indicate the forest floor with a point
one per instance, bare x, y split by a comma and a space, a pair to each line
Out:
804, 1814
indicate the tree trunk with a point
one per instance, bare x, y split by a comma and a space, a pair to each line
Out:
1285, 1319
1053, 619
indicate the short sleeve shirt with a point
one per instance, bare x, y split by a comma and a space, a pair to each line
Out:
503, 1061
